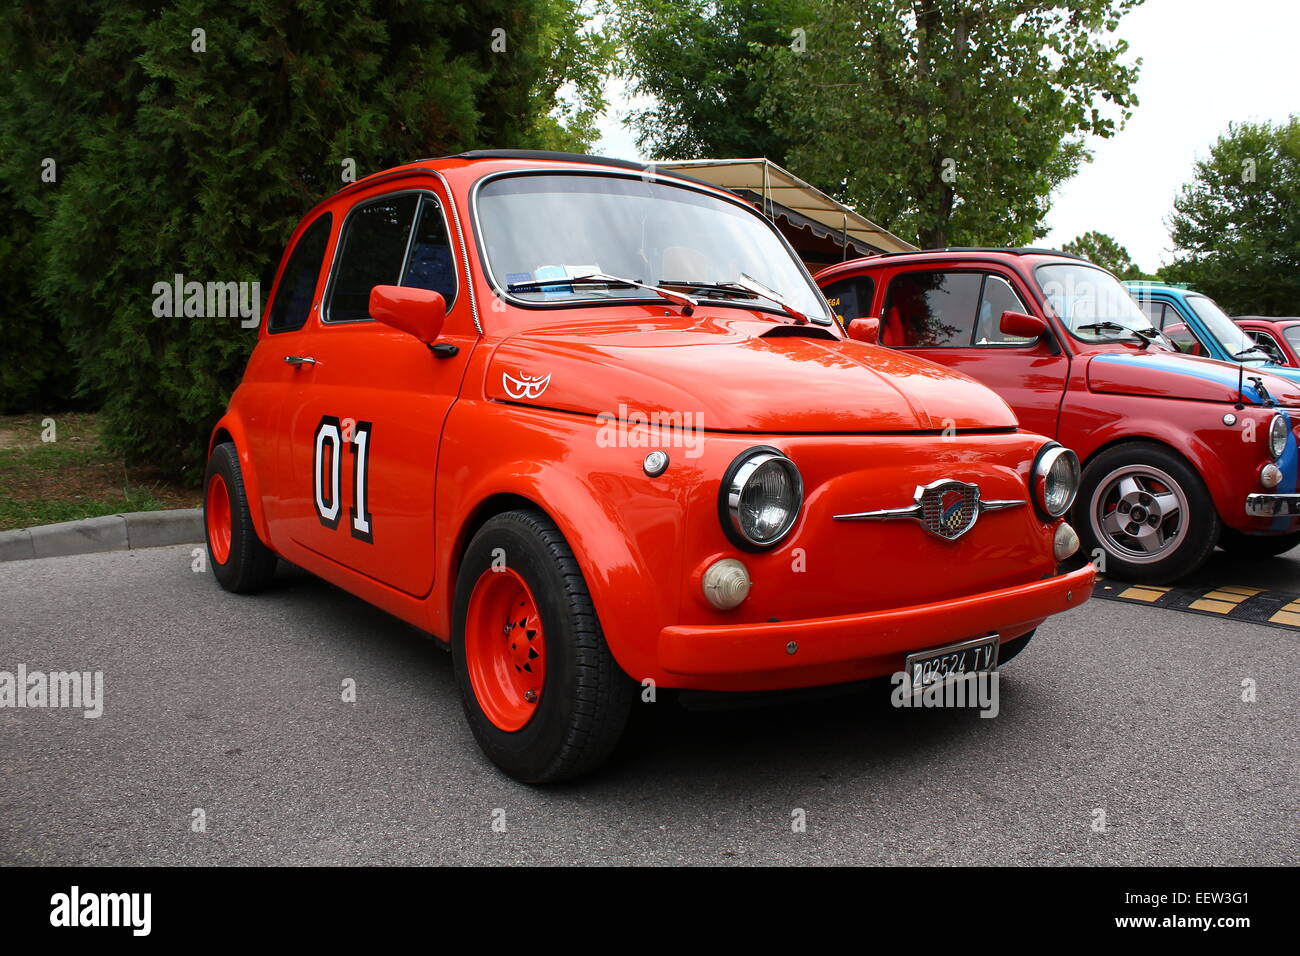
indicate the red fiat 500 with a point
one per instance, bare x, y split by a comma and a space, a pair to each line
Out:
596, 427
1180, 453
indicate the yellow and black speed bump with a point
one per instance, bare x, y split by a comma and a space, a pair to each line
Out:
1236, 602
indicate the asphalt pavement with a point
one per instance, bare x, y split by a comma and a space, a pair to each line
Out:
1123, 738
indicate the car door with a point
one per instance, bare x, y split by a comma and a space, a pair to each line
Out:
362, 425
268, 381
952, 317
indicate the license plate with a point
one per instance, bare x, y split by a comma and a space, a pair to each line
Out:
967, 657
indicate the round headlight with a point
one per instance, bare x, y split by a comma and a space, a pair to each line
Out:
761, 496
1277, 435
1055, 480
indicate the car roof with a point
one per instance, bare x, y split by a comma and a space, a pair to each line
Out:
1135, 285
544, 159
988, 253
1270, 319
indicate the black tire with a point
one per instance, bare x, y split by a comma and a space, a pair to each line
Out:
250, 565
1010, 649
586, 697
1189, 540
1255, 547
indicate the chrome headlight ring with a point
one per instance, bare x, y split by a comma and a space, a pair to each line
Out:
760, 498
1277, 435
1054, 481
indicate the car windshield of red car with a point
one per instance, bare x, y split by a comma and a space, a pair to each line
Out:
1090, 301
557, 226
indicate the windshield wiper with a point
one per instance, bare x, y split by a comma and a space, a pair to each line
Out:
750, 284
747, 285
1241, 356
686, 302
1146, 335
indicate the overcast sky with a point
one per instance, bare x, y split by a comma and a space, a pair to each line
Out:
1205, 63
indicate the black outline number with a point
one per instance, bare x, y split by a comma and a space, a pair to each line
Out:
328, 510
361, 527
326, 431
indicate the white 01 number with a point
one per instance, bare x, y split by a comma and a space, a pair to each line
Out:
328, 468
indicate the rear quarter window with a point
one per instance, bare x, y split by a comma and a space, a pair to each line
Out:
851, 298
297, 287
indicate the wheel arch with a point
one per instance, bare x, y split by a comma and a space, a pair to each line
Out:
1218, 489
231, 429
613, 571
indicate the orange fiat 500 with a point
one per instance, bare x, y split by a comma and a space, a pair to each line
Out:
595, 427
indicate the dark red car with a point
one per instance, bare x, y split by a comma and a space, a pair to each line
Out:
1280, 338
1180, 453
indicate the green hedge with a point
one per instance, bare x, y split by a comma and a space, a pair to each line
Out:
171, 160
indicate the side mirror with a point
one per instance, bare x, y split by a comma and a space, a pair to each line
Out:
417, 312
865, 330
1021, 325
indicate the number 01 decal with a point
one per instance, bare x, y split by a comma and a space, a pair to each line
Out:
328, 468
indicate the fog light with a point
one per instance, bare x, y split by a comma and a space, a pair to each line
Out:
1066, 542
726, 584
1271, 476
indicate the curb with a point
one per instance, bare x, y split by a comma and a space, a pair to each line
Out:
121, 532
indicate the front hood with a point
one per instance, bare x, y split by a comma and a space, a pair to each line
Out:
1170, 375
746, 374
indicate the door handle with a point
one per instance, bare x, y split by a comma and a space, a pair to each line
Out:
300, 360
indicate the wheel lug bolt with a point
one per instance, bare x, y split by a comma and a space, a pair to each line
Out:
530, 696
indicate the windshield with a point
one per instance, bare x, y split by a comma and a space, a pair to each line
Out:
547, 226
1092, 303
1230, 335
1292, 333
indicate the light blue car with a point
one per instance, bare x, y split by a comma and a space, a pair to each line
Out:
1195, 324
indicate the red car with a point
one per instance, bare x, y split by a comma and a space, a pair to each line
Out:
595, 427
1280, 338
1180, 453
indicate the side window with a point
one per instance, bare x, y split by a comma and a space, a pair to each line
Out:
430, 264
851, 298
293, 298
931, 309
1183, 338
371, 253
1153, 310
998, 297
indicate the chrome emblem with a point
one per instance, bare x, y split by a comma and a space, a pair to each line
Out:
946, 509
525, 386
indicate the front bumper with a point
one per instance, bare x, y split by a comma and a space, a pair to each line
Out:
1273, 506
880, 638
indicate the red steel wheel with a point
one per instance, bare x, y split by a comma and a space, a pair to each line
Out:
217, 515
505, 648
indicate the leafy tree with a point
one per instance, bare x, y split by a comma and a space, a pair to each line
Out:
1102, 250
695, 59
952, 122
1236, 225
178, 151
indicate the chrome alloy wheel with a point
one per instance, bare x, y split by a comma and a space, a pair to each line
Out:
1140, 513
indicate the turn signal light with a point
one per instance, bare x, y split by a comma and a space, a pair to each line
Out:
726, 583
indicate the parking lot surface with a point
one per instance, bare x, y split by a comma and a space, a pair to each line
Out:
1122, 738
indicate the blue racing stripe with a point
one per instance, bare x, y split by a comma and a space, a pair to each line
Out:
1225, 375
